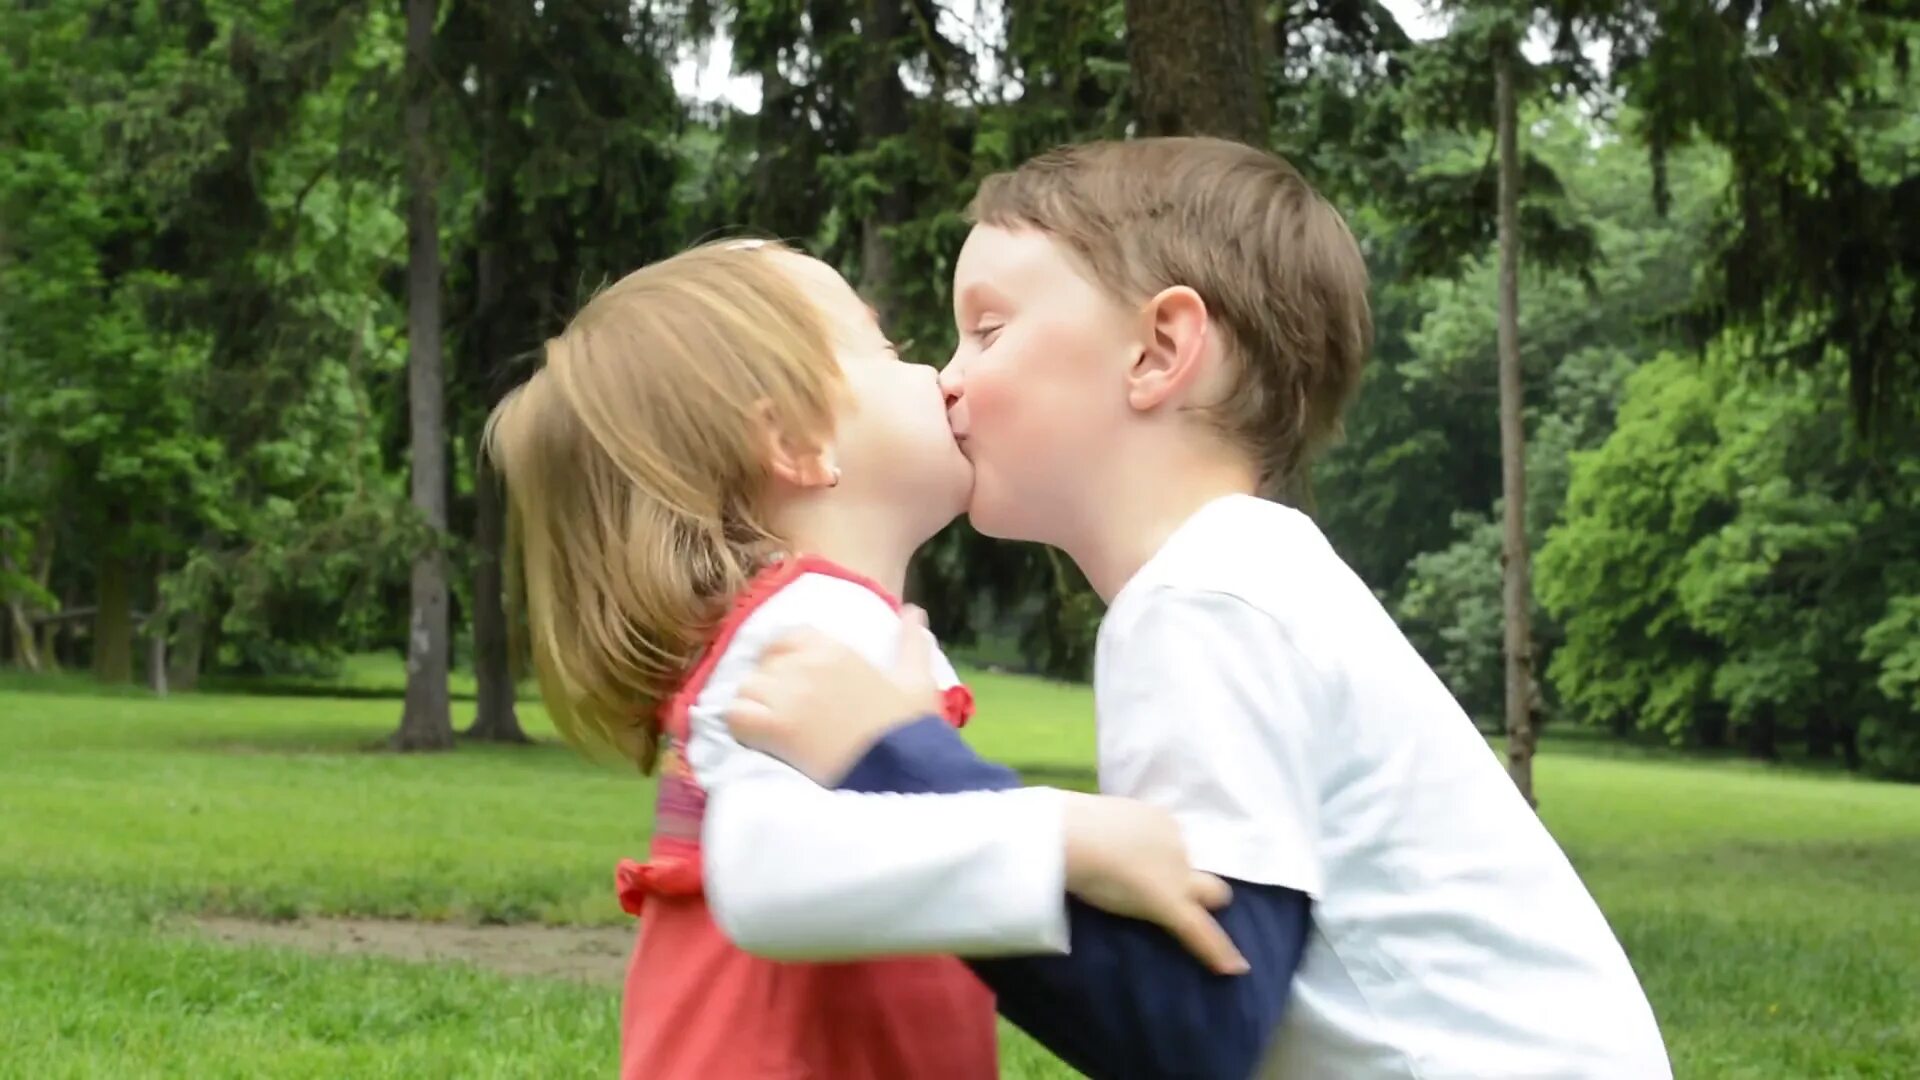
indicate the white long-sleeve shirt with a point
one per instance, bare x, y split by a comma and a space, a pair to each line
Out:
794, 871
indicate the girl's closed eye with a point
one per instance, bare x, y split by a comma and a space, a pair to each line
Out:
986, 332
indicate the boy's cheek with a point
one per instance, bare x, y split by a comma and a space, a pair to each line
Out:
994, 406
1044, 378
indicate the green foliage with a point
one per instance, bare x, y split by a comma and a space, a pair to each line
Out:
1410, 497
1722, 565
1894, 644
1416, 449
1451, 607
1815, 104
1611, 571
1446, 194
202, 332
199, 303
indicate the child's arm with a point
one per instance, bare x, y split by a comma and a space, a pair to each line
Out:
1210, 717
793, 871
1126, 1001
1129, 1000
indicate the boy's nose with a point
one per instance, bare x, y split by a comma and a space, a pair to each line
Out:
950, 382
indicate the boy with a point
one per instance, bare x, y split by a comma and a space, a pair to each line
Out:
1153, 333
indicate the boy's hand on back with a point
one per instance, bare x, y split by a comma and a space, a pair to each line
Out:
819, 706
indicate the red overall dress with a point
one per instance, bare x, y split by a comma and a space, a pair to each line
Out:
698, 1008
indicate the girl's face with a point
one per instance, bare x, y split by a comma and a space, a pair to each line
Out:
891, 441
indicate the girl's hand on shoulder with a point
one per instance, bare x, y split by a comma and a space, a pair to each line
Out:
1128, 858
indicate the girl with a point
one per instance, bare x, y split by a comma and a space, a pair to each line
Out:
720, 449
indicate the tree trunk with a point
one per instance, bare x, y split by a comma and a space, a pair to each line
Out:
1822, 737
113, 617
1513, 448
769, 131
183, 661
1713, 727
26, 651
50, 646
156, 632
43, 576
883, 115
494, 718
1850, 748
1760, 733
1197, 68
426, 722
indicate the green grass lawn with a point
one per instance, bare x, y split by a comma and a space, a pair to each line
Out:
1774, 915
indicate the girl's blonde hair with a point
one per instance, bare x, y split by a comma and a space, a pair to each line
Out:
633, 461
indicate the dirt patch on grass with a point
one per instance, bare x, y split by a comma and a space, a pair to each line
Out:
596, 954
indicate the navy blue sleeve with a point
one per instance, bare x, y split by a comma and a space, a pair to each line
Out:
1129, 1000
926, 757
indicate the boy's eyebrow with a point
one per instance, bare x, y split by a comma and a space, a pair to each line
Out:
976, 293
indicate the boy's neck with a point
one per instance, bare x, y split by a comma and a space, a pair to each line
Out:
1142, 510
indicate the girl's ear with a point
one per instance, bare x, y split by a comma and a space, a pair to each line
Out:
797, 463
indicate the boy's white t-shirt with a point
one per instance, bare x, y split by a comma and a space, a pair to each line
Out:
1249, 682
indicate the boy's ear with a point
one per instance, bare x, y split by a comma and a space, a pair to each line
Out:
796, 462
1173, 355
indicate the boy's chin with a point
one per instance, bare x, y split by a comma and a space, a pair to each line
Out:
991, 519
948, 505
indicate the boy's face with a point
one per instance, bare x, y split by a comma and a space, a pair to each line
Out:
1036, 389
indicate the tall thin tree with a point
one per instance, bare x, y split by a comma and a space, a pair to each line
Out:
1514, 557
494, 718
426, 722
881, 109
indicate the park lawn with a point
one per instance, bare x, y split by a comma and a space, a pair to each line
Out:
1774, 915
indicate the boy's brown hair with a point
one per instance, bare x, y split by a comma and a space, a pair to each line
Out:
1272, 259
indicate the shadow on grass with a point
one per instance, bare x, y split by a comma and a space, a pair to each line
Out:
82, 684
1054, 774
286, 688
1576, 740
329, 740
1887, 866
66, 683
